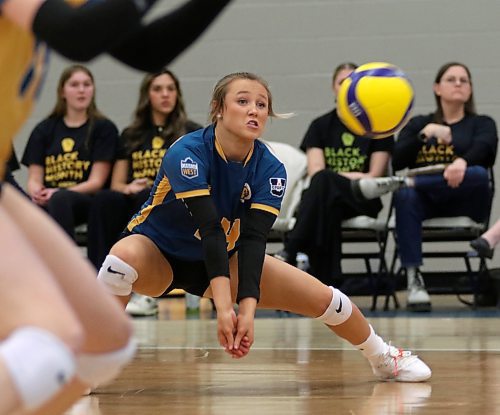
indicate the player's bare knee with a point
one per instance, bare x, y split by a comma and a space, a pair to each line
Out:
338, 311
96, 369
39, 363
117, 276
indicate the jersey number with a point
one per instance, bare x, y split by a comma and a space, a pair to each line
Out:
232, 232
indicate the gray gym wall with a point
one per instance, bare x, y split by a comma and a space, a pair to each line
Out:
295, 44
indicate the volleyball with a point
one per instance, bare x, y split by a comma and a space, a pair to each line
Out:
375, 100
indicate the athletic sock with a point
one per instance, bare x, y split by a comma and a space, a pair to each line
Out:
373, 346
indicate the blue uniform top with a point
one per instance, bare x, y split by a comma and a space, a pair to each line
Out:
195, 165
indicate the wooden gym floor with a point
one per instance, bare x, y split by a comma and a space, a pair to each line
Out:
297, 366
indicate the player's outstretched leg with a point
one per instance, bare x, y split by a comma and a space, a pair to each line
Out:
65, 301
287, 288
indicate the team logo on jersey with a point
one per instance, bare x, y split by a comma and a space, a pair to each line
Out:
246, 193
278, 186
189, 168
347, 139
67, 144
157, 142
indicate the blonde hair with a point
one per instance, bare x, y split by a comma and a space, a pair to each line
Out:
220, 91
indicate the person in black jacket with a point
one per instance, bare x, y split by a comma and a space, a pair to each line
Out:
455, 140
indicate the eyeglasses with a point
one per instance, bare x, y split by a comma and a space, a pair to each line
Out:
454, 80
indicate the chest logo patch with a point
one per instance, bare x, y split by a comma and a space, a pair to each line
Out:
246, 193
347, 139
278, 185
189, 168
157, 142
67, 144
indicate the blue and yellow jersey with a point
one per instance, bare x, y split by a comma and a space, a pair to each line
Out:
22, 68
195, 165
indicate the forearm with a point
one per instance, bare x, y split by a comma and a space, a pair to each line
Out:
353, 175
120, 187
158, 43
256, 227
34, 186
247, 307
221, 292
87, 187
82, 33
478, 154
213, 238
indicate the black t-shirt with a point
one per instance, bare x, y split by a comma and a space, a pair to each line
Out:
145, 160
474, 138
343, 150
67, 153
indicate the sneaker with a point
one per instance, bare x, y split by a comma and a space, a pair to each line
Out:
418, 298
371, 188
401, 366
141, 305
482, 247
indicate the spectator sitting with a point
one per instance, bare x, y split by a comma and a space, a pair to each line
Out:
335, 157
160, 118
69, 154
466, 143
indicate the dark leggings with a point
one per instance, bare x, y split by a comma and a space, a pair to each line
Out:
318, 230
69, 209
109, 214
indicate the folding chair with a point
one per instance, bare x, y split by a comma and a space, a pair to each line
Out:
295, 162
371, 234
360, 229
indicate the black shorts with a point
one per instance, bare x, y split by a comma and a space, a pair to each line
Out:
191, 276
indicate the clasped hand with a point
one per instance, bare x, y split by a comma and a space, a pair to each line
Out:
455, 172
442, 133
236, 332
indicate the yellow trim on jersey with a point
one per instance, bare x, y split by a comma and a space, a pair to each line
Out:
249, 156
220, 151
192, 193
161, 192
267, 208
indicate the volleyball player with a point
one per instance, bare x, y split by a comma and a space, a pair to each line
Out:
204, 229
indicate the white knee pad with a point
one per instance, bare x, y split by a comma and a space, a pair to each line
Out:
117, 276
39, 363
99, 369
339, 310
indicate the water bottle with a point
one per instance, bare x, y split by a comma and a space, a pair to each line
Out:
192, 302
302, 261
